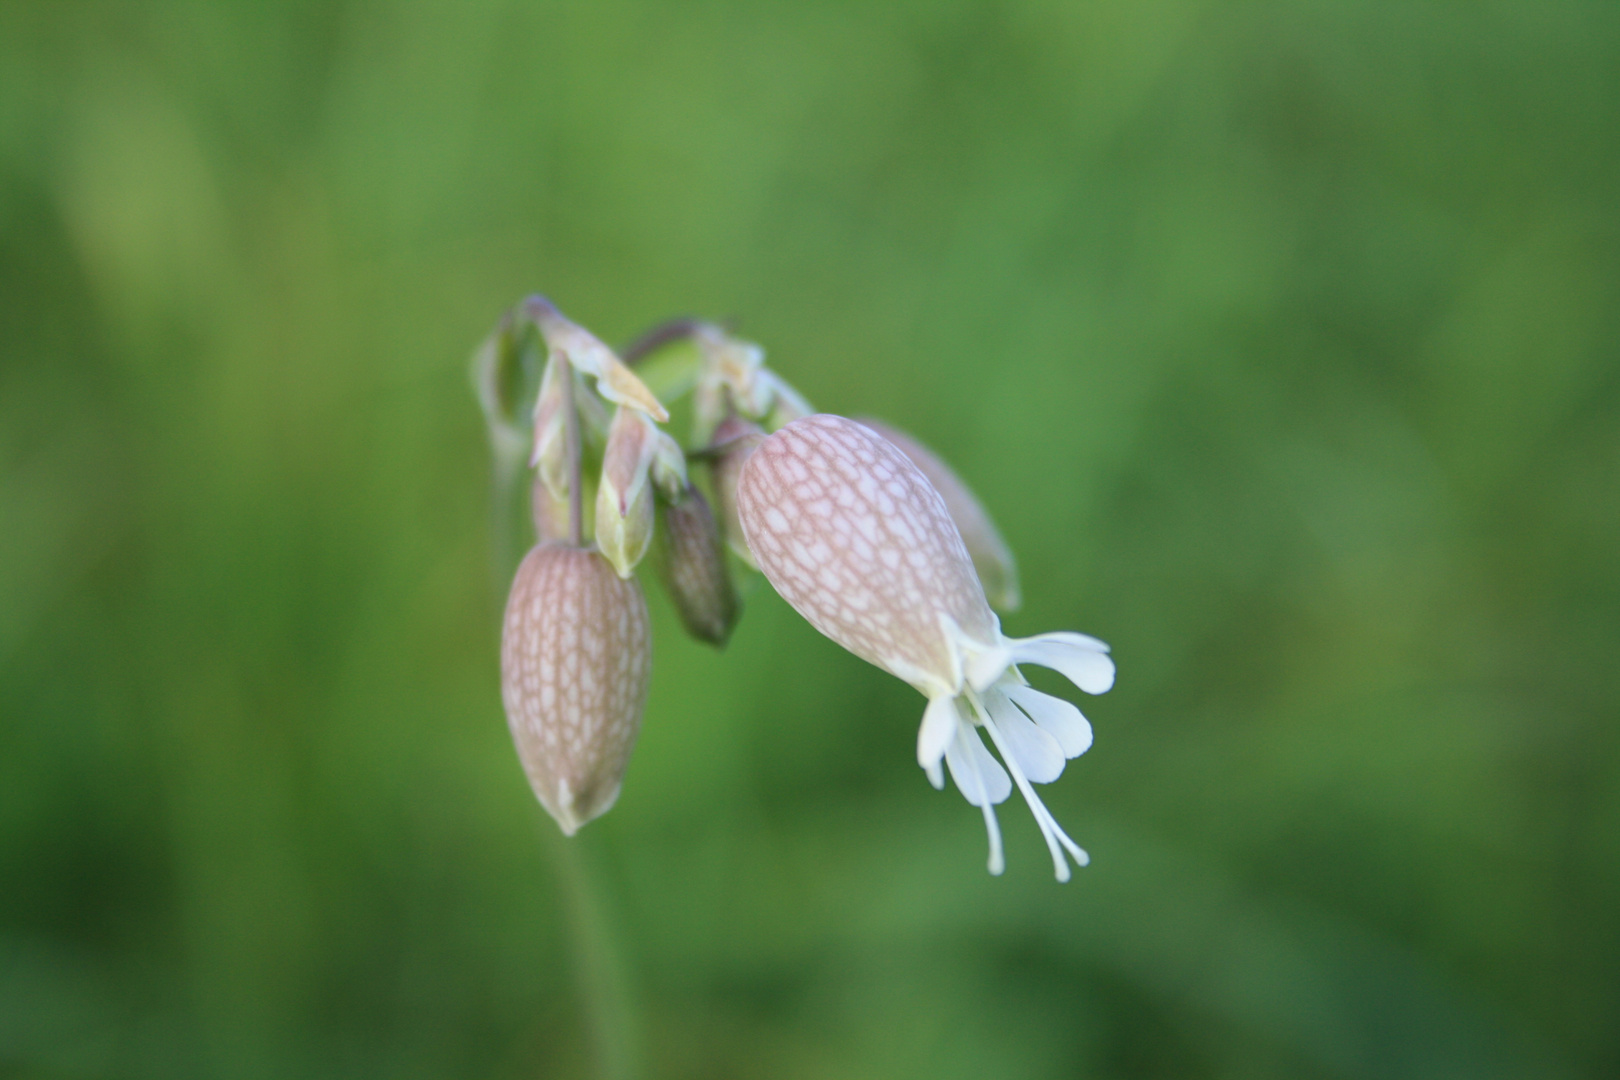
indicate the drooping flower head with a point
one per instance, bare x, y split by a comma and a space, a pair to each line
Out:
851, 533
576, 654
637, 457
866, 532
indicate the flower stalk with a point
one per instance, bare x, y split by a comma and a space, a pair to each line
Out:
576, 510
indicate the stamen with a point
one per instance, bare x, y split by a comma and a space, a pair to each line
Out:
1079, 853
1043, 817
1040, 755
964, 732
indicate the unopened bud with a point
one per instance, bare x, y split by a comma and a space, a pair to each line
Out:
726, 383
614, 380
992, 558
576, 655
691, 561
734, 439
624, 500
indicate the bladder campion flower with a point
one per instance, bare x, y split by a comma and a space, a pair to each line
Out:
851, 533
550, 512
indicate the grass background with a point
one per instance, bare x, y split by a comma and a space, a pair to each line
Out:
1280, 337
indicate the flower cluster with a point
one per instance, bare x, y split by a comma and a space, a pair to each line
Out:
860, 528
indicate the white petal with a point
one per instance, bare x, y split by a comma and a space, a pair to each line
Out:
1083, 660
938, 729
1056, 716
972, 766
1036, 752
968, 760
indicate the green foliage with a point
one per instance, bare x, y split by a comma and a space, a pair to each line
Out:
1279, 338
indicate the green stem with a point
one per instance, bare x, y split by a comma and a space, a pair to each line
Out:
576, 515
598, 969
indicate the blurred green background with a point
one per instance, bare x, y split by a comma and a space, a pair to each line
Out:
1279, 337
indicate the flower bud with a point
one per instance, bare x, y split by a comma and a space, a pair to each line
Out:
992, 559
726, 383
691, 561
734, 439
624, 499
576, 654
614, 380
787, 404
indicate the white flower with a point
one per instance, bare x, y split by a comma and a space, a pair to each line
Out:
857, 540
